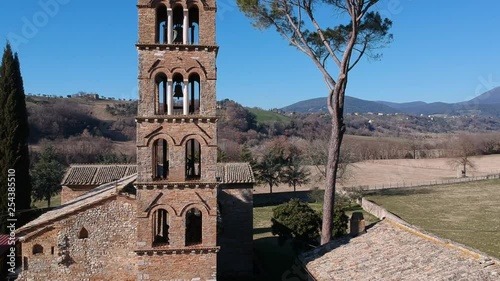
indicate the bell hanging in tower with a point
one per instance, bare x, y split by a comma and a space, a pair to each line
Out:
178, 91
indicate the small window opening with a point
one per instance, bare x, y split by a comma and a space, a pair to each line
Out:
178, 85
194, 26
160, 227
160, 159
161, 93
37, 249
195, 93
193, 227
178, 21
52, 250
193, 159
161, 25
83, 233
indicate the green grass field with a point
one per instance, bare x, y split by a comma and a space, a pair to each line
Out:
467, 213
277, 261
264, 116
54, 202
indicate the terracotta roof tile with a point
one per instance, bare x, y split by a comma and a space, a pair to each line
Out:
390, 251
95, 174
235, 173
95, 195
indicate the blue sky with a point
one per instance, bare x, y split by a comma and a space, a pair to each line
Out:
445, 50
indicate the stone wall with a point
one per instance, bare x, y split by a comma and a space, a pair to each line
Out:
107, 253
379, 211
235, 259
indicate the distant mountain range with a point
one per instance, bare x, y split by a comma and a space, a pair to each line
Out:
486, 104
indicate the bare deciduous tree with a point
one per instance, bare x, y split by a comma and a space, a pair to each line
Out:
464, 146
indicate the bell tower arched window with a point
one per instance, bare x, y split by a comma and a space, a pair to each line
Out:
194, 93
160, 159
163, 93
194, 224
160, 227
181, 95
178, 25
161, 25
193, 159
194, 25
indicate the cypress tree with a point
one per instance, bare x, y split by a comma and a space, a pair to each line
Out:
14, 133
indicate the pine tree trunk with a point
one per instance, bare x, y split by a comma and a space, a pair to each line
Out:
336, 136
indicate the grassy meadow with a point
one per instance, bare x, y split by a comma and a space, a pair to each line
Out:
467, 213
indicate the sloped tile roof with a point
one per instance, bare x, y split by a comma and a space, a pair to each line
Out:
235, 173
96, 195
96, 174
92, 174
390, 251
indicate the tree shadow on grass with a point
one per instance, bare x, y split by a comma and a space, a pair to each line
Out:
277, 261
399, 191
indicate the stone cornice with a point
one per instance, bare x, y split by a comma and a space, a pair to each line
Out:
176, 185
176, 119
178, 47
177, 251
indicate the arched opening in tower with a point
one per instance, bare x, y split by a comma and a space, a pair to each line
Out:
178, 24
161, 93
193, 227
194, 25
180, 94
160, 227
195, 93
161, 24
193, 159
160, 159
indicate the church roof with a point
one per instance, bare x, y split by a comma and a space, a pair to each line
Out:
94, 174
234, 173
391, 251
97, 174
90, 198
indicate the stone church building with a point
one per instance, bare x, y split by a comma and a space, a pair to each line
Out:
177, 214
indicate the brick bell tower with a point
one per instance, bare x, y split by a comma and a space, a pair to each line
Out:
177, 141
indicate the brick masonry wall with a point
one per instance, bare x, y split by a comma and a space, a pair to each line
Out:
176, 135
176, 202
154, 62
107, 253
147, 18
235, 259
177, 267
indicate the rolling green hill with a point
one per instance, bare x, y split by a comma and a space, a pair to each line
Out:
265, 116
